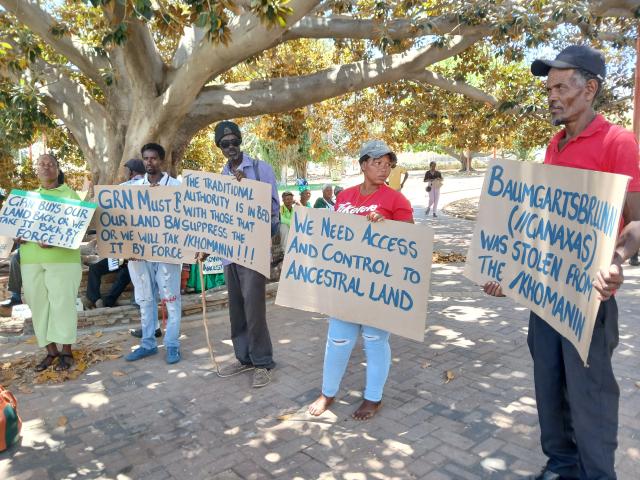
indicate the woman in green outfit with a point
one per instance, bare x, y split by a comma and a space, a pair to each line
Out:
51, 277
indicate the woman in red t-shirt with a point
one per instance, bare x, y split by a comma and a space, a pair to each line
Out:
375, 200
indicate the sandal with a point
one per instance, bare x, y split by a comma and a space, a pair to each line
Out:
64, 364
45, 363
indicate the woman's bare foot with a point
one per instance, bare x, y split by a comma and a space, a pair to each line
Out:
366, 410
320, 406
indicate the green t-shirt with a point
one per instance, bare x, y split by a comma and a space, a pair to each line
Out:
285, 215
31, 252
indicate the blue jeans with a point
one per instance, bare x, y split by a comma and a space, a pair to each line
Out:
341, 338
153, 281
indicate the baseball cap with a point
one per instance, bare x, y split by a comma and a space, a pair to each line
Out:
376, 149
574, 56
135, 165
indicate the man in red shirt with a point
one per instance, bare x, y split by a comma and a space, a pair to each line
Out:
578, 405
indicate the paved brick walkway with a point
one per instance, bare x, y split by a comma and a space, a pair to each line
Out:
149, 420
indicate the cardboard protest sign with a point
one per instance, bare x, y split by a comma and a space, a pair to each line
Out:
142, 222
543, 232
35, 217
6, 244
212, 265
227, 218
349, 268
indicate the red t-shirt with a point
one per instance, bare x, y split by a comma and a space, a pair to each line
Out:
386, 201
603, 147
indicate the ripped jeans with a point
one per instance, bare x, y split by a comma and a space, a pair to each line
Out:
341, 338
153, 282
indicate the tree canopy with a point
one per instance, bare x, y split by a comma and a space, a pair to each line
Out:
120, 73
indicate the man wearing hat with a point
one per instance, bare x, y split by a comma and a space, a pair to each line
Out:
578, 405
246, 287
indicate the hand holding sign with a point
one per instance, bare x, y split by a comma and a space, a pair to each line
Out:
541, 235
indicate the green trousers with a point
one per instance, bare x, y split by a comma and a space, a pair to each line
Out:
50, 290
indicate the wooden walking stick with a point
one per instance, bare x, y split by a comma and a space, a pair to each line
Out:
204, 317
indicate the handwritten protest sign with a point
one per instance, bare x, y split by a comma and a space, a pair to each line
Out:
143, 222
212, 265
34, 217
6, 244
543, 232
208, 213
346, 267
227, 218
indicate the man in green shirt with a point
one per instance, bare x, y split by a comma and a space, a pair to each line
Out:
286, 213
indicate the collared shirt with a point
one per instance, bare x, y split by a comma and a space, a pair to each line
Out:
603, 147
133, 180
266, 176
165, 180
286, 215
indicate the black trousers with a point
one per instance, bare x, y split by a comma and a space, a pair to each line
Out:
96, 271
248, 315
577, 405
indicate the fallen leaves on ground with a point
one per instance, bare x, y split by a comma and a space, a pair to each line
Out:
426, 365
62, 421
19, 372
448, 376
118, 373
441, 257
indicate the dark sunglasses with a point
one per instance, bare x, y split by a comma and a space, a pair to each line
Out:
227, 143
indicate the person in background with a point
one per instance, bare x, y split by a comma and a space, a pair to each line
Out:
398, 177
51, 277
305, 195
434, 181
374, 199
337, 190
246, 287
326, 200
134, 171
156, 279
14, 285
286, 214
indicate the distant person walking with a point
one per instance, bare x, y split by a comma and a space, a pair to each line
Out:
434, 180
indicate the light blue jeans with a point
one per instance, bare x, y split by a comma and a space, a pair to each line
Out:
341, 338
153, 282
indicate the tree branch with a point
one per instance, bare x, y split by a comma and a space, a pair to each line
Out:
342, 26
288, 93
614, 8
70, 101
40, 22
145, 66
249, 37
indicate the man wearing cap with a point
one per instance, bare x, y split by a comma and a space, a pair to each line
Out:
246, 287
578, 405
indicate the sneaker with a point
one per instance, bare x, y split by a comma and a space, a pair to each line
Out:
140, 353
434, 214
235, 369
634, 260
173, 355
427, 211
261, 377
137, 332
